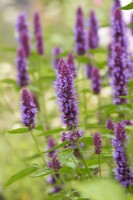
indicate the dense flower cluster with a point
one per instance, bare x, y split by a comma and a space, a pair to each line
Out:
23, 33
123, 172
80, 35
71, 63
110, 124
96, 80
72, 136
38, 34
51, 144
88, 70
97, 140
55, 53
66, 95
93, 38
21, 65
28, 109
119, 75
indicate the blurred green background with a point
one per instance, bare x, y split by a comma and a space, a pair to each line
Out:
58, 18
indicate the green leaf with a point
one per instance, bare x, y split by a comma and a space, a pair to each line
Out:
83, 59
127, 7
21, 174
42, 173
57, 146
87, 140
101, 190
129, 127
66, 169
19, 131
52, 131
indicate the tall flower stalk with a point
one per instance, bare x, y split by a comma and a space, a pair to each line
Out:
119, 75
23, 33
21, 65
80, 35
38, 34
123, 171
119, 35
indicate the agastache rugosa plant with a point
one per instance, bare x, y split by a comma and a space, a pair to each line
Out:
97, 140
123, 171
28, 109
38, 34
21, 65
93, 38
96, 80
119, 75
80, 35
119, 35
23, 33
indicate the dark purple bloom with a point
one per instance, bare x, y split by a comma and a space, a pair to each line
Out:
123, 172
55, 53
38, 34
97, 140
51, 144
88, 70
56, 189
93, 39
96, 80
55, 164
110, 124
21, 65
71, 63
23, 34
131, 22
66, 95
119, 75
28, 109
80, 35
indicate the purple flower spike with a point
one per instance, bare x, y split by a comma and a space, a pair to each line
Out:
28, 109
97, 140
72, 136
66, 95
93, 39
55, 53
51, 144
88, 70
119, 35
110, 124
38, 34
80, 35
119, 75
123, 172
71, 63
21, 65
96, 80
131, 23
23, 33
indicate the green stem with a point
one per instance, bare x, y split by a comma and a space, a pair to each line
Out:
84, 161
99, 162
76, 165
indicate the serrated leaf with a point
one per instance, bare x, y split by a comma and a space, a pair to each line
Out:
52, 131
42, 173
19, 131
127, 7
21, 174
87, 140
